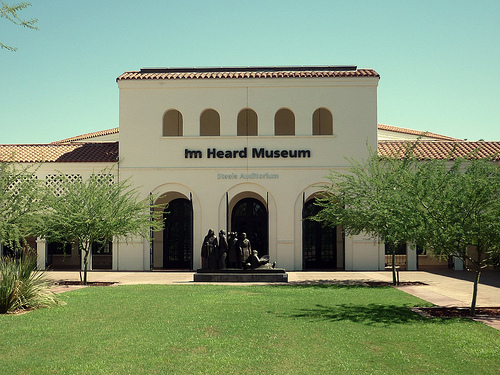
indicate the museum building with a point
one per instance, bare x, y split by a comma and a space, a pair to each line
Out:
239, 149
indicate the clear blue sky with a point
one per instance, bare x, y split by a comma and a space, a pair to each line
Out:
439, 60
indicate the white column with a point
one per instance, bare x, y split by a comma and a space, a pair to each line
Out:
458, 264
114, 257
411, 257
41, 253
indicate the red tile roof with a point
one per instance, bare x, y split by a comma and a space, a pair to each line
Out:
441, 149
89, 135
249, 72
60, 153
108, 152
397, 129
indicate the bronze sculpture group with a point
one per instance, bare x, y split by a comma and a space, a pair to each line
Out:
232, 252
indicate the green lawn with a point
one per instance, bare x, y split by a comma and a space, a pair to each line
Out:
209, 329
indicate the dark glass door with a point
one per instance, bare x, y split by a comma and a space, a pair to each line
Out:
319, 244
178, 235
249, 216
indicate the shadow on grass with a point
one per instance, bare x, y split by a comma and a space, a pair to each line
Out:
327, 284
370, 314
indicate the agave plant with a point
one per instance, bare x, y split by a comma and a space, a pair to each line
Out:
22, 286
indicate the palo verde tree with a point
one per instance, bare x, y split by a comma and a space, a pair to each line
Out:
10, 13
450, 207
21, 203
459, 202
97, 210
371, 198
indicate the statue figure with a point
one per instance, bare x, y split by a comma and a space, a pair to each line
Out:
209, 251
234, 253
223, 249
245, 247
255, 262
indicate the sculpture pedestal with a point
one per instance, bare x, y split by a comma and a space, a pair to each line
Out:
234, 275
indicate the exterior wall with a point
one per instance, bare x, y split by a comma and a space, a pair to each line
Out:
159, 165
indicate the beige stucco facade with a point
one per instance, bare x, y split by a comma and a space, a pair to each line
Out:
166, 165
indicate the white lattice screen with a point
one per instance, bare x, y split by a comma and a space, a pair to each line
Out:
15, 186
55, 183
104, 178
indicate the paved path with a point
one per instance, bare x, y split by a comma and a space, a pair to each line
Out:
447, 288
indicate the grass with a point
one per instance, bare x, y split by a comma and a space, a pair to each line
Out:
209, 329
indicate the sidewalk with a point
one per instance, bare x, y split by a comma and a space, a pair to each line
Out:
447, 288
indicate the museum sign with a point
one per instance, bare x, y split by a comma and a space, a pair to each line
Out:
256, 153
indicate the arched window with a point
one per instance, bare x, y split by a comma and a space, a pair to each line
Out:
322, 122
284, 122
209, 123
247, 122
172, 123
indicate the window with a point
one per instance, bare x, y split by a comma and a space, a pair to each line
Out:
247, 122
284, 122
322, 122
172, 123
104, 247
102, 257
209, 123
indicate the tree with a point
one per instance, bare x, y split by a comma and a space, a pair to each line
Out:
97, 210
370, 198
21, 203
449, 207
461, 211
10, 12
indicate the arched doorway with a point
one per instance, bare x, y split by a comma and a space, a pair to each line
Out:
178, 235
319, 244
249, 215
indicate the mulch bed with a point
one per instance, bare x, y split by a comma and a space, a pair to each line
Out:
385, 283
89, 283
459, 312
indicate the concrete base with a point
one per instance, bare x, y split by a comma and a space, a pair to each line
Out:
277, 275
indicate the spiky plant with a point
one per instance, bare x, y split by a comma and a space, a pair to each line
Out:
22, 286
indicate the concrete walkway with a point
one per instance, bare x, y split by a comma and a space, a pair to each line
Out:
446, 288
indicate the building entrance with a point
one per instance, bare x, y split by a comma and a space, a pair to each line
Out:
319, 244
178, 235
250, 216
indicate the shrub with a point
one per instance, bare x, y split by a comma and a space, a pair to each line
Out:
22, 286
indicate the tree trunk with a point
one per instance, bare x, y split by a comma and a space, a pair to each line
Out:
474, 293
394, 281
85, 266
